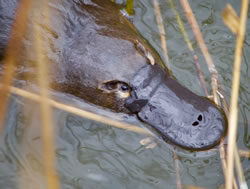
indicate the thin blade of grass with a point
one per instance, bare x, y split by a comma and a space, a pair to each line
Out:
12, 53
233, 111
240, 173
230, 18
244, 153
178, 176
212, 69
224, 102
181, 26
46, 112
161, 31
214, 77
82, 113
224, 165
195, 27
189, 44
197, 33
130, 7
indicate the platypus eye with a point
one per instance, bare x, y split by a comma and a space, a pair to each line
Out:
124, 87
121, 88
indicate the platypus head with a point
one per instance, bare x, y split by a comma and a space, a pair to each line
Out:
179, 115
128, 78
108, 63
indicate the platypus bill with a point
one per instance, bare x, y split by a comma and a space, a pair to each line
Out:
96, 54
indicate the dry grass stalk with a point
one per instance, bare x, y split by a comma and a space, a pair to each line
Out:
189, 44
224, 102
214, 77
12, 53
224, 165
198, 68
214, 85
195, 27
240, 173
178, 177
165, 53
244, 153
82, 113
223, 159
46, 113
233, 112
212, 69
181, 26
161, 31
222, 150
230, 18
148, 142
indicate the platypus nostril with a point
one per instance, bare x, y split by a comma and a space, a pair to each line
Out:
196, 123
200, 117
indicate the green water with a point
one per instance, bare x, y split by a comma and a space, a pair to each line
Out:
93, 155
221, 44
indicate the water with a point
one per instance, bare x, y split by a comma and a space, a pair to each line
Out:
221, 44
93, 155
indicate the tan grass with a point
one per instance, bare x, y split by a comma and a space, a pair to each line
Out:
240, 172
212, 69
45, 107
244, 153
46, 102
231, 19
214, 80
82, 113
178, 176
161, 31
197, 33
233, 111
12, 53
189, 44
224, 165
181, 26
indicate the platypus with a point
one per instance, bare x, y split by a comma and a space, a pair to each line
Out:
96, 54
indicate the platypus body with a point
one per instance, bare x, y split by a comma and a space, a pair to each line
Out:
96, 54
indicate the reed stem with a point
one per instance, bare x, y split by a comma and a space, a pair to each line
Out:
130, 7
161, 31
233, 111
82, 113
45, 107
12, 54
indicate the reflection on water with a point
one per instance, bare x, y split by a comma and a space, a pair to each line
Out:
93, 155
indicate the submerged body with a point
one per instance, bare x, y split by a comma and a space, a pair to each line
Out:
96, 54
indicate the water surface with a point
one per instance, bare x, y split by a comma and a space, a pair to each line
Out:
93, 155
